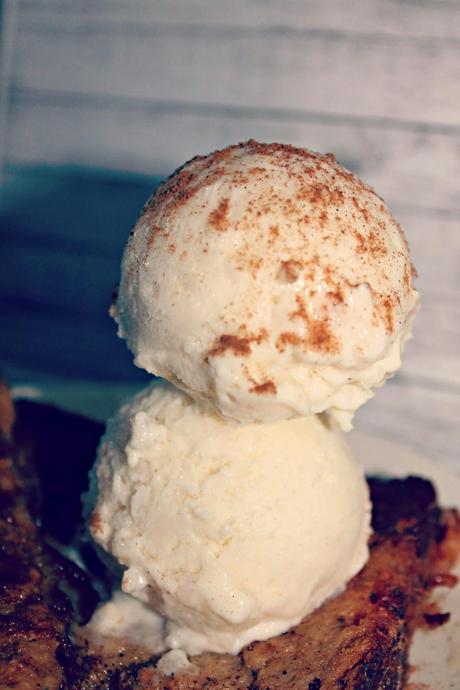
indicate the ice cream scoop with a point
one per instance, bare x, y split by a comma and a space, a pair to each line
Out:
231, 532
269, 282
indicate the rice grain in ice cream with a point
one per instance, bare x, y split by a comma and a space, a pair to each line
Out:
269, 282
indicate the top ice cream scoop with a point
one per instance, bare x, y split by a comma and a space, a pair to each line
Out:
269, 281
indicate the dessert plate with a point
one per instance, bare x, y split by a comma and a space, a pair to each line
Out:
435, 654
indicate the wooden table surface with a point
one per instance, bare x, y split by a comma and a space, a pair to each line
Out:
101, 99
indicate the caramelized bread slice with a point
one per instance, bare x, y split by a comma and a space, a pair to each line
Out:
359, 639
35, 580
33, 616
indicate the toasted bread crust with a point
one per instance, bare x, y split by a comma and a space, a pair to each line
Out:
358, 639
33, 616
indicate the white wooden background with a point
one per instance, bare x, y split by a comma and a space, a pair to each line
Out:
131, 86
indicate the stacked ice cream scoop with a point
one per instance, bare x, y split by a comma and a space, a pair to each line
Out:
273, 289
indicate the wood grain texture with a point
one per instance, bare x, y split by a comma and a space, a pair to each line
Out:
416, 415
366, 75
438, 19
420, 168
139, 87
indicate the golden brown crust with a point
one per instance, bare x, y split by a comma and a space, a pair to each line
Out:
359, 639
6, 410
35, 611
33, 617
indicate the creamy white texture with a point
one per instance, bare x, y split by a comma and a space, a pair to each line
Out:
269, 282
175, 661
124, 621
231, 532
127, 621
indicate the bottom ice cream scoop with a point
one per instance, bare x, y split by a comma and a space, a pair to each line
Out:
232, 533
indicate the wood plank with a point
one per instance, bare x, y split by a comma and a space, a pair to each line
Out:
44, 342
424, 418
405, 409
419, 168
428, 19
75, 280
72, 285
393, 77
87, 217
432, 355
77, 289
434, 241
74, 212
411, 409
